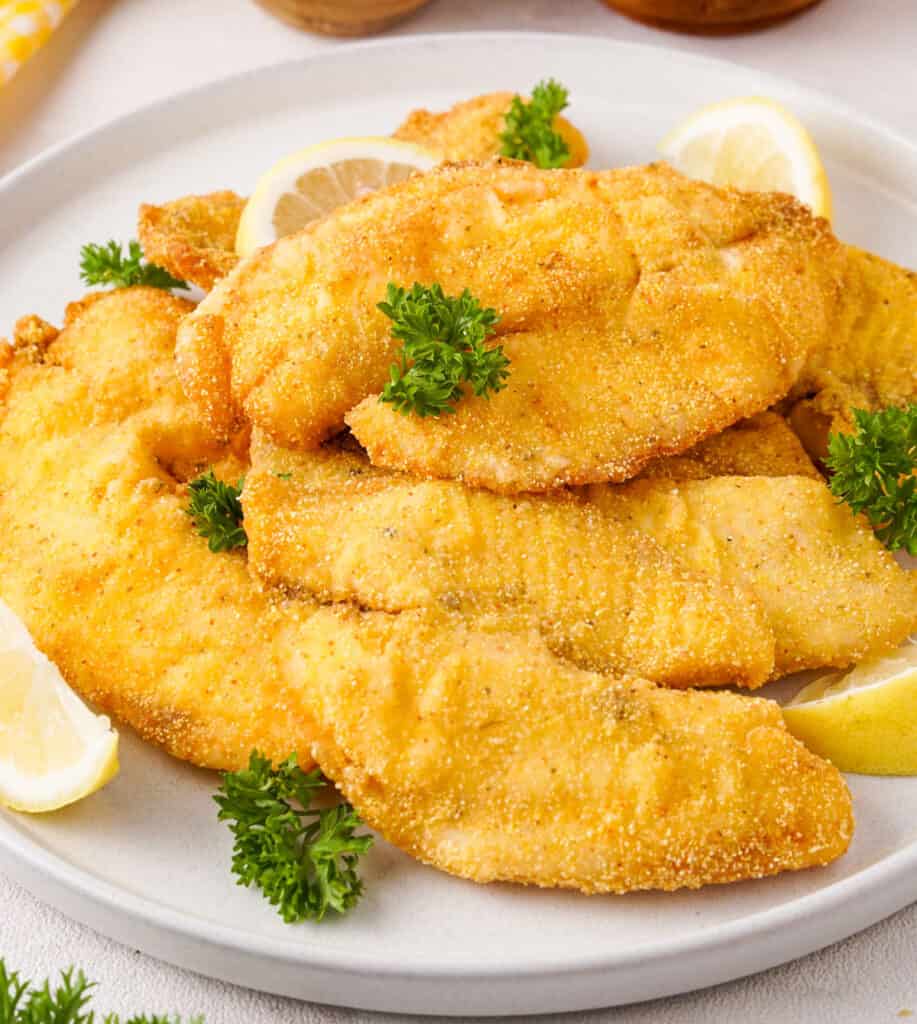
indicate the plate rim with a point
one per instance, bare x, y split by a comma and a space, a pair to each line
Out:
895, 872
843, 110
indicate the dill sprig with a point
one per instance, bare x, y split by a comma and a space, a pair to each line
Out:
873, 470
107, 265
443, 348
528, 132
67, 1002
216, 509
302, 858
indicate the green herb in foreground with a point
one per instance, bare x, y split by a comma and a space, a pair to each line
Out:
528, 132
107, 265
302, 858
216, 509
66, 1003
443, 349
873, 471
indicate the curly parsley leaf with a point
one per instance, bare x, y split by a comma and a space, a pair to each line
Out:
443, 348
66, 1003
107, 265
303, 859
528, 132
873, 470
216, 509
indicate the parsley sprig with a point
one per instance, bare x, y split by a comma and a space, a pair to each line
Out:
107, 265
302, 858
443, 348
528, 132
873, 471
216, 509
66, 1003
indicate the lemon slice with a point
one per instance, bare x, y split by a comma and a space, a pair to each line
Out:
311, 183
753, 144
53, 749
864, 720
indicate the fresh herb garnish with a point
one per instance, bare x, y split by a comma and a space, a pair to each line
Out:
217, 512
302, 858
66, 1003
443, 348
528, 132
873, 471
106, 265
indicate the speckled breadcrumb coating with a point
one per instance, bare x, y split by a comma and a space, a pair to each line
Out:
194, 237
479, 753
603, 595
869, 360
103, 565
471, 130
641, 313
830, 591
474, 748
764, 445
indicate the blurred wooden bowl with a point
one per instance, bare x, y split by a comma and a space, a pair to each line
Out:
711, 16
342, 17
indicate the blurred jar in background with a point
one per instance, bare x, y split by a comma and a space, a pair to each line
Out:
342, 17
709, 15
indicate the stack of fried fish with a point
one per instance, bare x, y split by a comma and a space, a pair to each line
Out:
491, 629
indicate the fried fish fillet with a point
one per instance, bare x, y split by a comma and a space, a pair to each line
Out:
763, 445
195, 237
471, 130
641, 313
830, 592
606, 597
102, 564
870, 360
473, 748
481, 754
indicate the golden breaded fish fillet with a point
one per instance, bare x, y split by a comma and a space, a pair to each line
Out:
763, 445
475, 749
330, 525
194, 237
831, 593
641, 312
470, 130
869, 360
481, 754
103, 565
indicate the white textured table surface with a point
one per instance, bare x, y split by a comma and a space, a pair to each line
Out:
112, 56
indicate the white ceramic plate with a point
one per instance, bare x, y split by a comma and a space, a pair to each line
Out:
145, 861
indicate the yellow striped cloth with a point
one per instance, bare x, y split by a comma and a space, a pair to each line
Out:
24, 27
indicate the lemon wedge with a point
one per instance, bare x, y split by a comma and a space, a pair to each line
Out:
308, 184
753, 144
864, 720
53, 749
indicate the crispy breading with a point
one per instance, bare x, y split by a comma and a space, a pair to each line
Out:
603, 595
484, 756
764, 445
830, 591
32, 335
470, 130
103, 565
194, 237
641, 313
472, 747
869, 360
